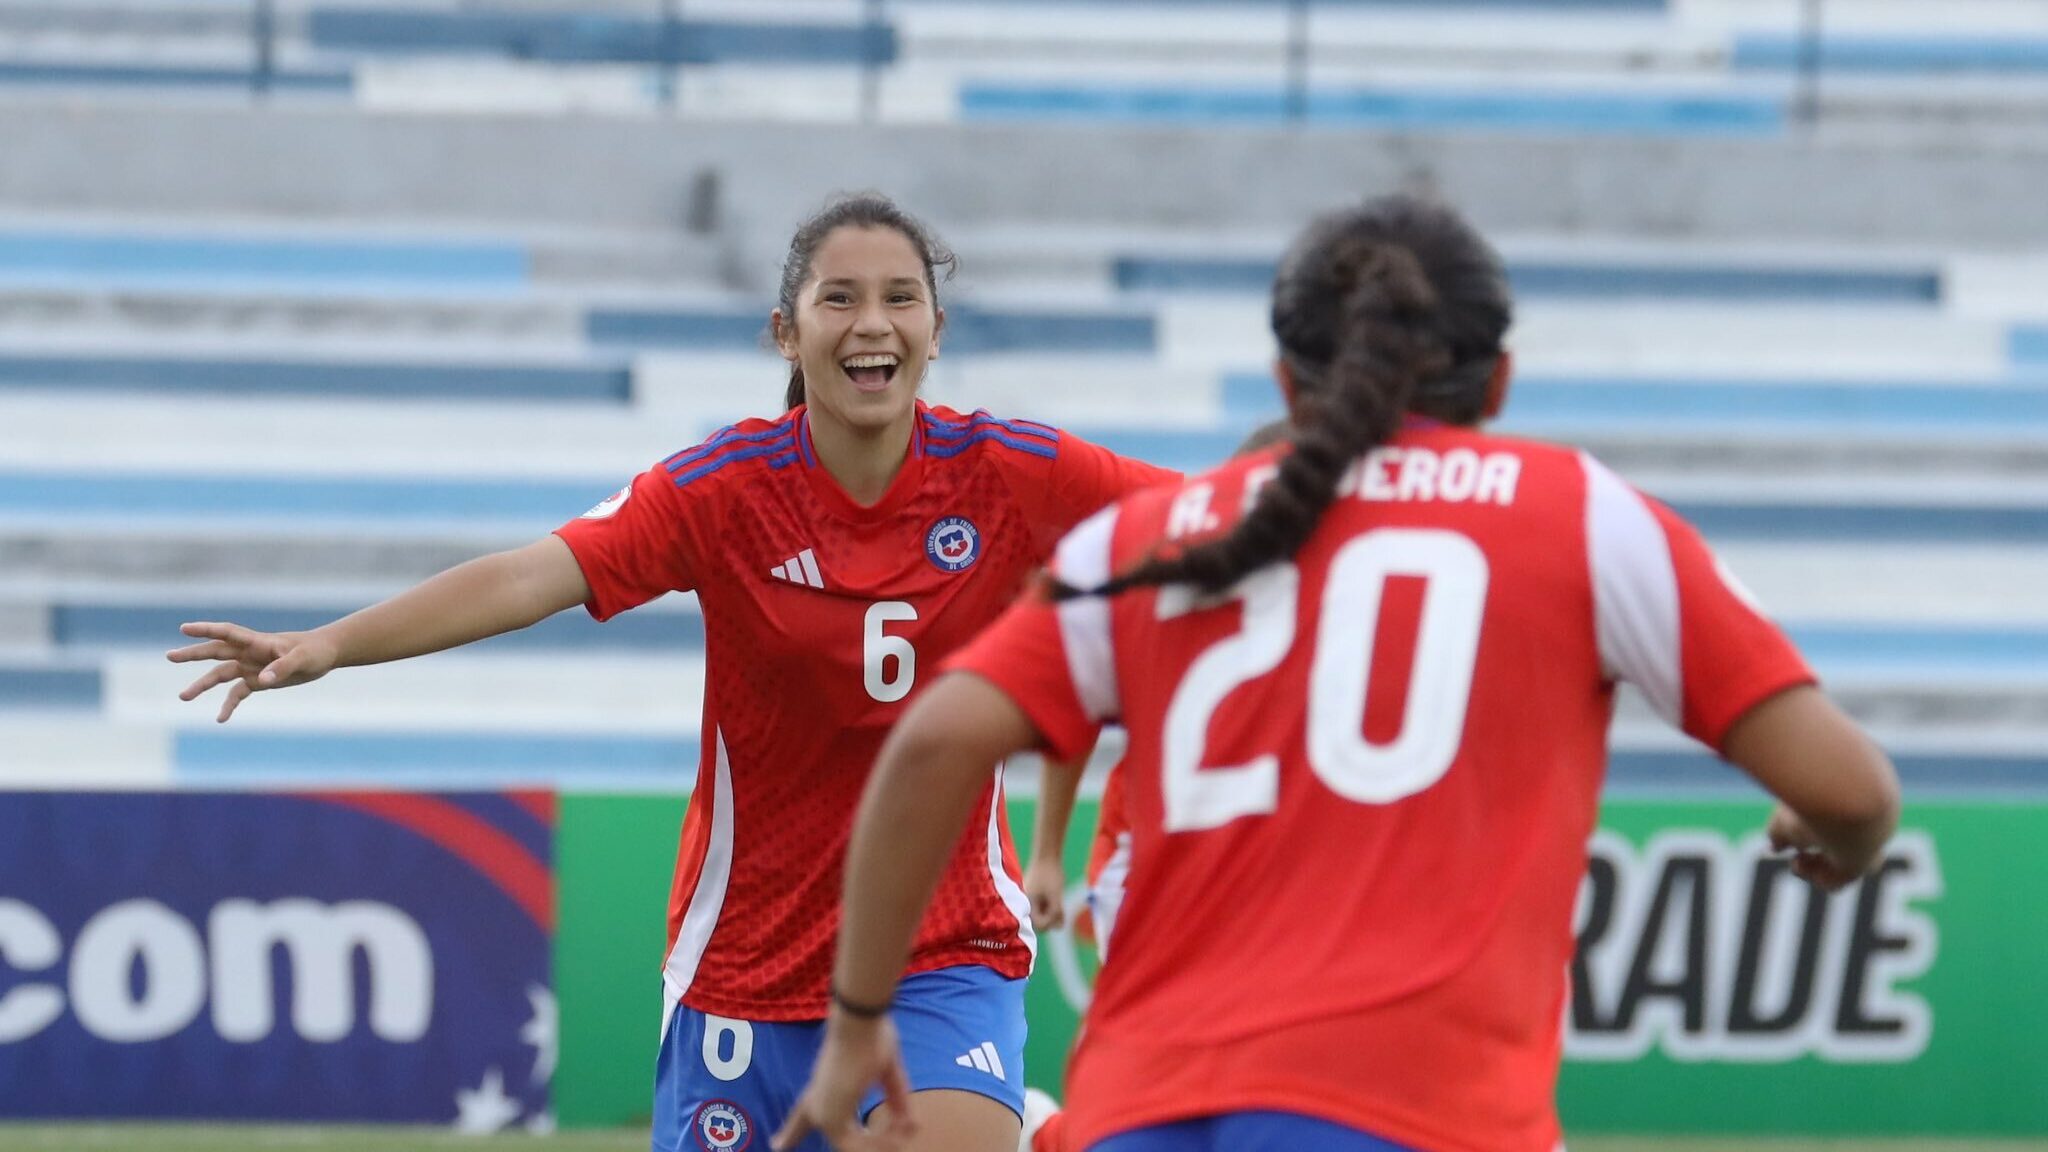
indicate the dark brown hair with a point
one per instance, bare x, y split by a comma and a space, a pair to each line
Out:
1397, 305
860, 210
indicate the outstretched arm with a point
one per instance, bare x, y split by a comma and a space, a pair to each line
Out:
1838, 795
502, 592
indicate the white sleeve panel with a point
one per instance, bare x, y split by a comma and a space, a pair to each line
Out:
1082, 561
1635, 591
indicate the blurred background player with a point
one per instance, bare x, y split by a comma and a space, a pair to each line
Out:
1367, 681
1109, 863
835, 549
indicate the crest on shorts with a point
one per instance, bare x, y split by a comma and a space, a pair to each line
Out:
722, 1126
953, 544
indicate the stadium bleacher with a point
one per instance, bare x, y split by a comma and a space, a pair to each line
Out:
273, 419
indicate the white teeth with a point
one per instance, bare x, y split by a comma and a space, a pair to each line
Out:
872, 361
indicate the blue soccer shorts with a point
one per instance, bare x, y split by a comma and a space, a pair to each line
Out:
1247, 1132
724, 1085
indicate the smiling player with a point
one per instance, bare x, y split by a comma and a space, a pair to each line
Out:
1368, 680
839, 551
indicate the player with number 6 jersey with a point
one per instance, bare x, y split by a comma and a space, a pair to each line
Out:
1367, 679
840, 552
820, 615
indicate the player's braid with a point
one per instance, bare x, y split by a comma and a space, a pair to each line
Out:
1387, 336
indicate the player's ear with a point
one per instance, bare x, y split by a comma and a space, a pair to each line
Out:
938, 329
783, 329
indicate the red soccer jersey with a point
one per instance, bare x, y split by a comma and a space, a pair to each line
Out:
820, 618
1361, 786
1109, 863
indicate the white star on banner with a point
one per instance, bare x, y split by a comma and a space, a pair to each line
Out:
541, 1124
541, 1033
485, 1108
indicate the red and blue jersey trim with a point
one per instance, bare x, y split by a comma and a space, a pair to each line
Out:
803, 439
945, 438
778, 443
808, 452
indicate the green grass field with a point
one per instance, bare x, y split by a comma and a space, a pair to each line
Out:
207, 1138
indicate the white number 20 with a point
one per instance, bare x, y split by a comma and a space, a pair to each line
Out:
1440, 684
878, 647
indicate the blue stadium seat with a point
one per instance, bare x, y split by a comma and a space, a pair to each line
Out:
1932, 651
306, 501
607, 381
969, 329
618, 36
1921, 774
95, 625
1583, 279
43, 687
1872, 54
2027, 346
155, 259
1763, 406
95, 74
1419, 108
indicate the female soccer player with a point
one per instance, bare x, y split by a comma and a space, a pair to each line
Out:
1367, 681
838, 551
1109, 854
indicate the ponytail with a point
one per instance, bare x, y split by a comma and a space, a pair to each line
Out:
1384, 340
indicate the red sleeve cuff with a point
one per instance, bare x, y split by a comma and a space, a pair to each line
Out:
1711, 729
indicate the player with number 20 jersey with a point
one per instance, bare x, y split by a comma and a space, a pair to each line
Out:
1383, 759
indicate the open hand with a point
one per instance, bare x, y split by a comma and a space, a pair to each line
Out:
251, 661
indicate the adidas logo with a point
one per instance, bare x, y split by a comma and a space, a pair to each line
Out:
801, 568
984, 1058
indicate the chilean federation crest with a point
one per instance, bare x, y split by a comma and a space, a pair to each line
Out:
722, 1126
952, 544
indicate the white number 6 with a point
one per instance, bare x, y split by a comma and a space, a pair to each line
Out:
878, 647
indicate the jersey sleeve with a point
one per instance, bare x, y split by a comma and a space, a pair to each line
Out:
1672, 620
634, 546
1085, 478
1054, 658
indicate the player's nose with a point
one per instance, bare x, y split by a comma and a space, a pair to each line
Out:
871, 320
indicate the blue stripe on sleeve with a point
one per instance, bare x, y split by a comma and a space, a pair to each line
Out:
955, 447
723, 438
779, 456
949, 430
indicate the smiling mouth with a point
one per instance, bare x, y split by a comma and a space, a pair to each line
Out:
872, 372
